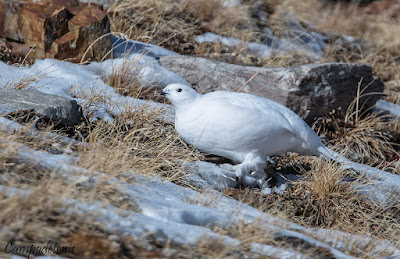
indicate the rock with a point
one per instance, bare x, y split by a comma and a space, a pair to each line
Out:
56, 28
5, 51
388, 110
59, 109
309, 90
7, 109
12, 127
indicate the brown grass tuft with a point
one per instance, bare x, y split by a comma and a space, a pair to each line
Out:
362, 136
324, 199
136, 141
124, 78
25, 83
173, 24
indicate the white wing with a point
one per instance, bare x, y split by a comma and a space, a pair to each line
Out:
298, 126
233, 124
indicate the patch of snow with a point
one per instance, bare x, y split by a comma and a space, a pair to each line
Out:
124, 47
272, 45
311, 241
6, 109
345, 242
267, 191
207, 175
172, 212
105, 3
276, 252
231, 3
257, 49
280, 188
348, 38
65, 79
385, 108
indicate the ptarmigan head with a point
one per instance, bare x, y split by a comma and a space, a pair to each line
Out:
179, 94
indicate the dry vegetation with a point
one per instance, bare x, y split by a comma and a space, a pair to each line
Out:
364, 137
323, 198
131, 143
377, 24
136, 141
139, 141
173, 24
124, 78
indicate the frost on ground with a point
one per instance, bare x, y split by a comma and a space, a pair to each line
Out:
163, 212
171, 213
277, 46
83, 81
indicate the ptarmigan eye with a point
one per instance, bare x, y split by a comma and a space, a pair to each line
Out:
179, 90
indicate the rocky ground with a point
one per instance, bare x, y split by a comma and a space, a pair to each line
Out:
91, 166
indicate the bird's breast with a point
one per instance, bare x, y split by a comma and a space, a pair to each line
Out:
188, 126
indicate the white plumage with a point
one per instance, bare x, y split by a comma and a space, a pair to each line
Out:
242, 127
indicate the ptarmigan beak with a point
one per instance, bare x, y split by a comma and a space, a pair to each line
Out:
163, 93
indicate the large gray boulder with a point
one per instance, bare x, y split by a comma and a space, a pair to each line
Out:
309, 90
59, 109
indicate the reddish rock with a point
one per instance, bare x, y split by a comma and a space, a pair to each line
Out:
56, 28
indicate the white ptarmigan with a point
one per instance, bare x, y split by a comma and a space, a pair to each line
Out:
244, 128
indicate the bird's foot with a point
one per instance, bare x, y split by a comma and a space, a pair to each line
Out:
261, 178
247, 176
236, 169
239, 174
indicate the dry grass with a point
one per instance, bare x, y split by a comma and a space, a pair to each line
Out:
173, 24
362, 136
31, 120
324, 199
35, 217
40, 216
25, 83
374, 23
370, 140
125, 79
377, 24
136, 141
151, 21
